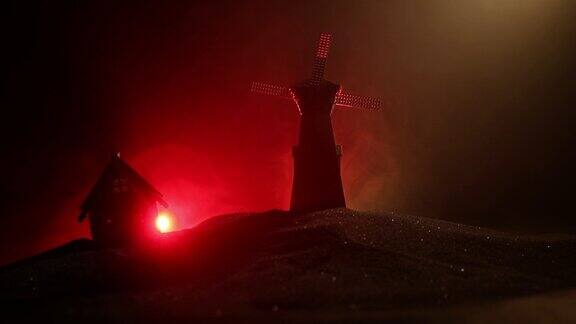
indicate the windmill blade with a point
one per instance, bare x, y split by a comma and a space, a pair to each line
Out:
354, 101
320, 60
270, 90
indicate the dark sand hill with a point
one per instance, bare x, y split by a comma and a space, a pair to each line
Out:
335, 265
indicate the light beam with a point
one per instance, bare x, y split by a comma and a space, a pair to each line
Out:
164, 222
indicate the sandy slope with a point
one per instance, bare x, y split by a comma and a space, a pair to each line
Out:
336, 265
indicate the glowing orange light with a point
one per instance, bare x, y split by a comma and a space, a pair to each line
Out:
164, 223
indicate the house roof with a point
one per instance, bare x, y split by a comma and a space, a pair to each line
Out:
118, 168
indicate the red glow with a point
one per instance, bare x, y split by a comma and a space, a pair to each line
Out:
164, 222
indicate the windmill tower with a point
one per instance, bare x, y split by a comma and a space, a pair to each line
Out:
317, 183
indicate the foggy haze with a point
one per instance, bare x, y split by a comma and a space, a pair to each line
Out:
477, 125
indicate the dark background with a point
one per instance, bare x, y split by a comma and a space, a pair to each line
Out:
478, 127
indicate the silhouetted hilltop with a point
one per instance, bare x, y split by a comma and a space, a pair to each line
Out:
330, 265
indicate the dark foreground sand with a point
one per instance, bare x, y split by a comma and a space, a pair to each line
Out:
336, 266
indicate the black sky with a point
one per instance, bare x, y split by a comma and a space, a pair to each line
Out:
478, 126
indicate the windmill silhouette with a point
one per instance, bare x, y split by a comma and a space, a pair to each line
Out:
317, 183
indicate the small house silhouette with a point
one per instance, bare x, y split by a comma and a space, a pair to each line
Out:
121, 207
